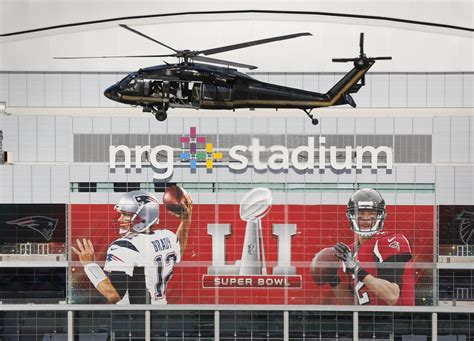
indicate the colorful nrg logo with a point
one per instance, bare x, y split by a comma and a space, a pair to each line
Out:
194, 156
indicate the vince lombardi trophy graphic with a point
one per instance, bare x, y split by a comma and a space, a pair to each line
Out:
253, 207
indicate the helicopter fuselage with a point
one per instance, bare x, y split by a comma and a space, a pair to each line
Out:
203, 86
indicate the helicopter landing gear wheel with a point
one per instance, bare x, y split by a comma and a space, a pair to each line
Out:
161, 115
315, 121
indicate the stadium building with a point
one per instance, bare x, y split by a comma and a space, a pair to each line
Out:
69, 154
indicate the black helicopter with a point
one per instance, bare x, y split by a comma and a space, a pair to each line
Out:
202, 86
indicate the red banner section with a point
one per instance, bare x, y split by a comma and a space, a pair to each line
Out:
231, 261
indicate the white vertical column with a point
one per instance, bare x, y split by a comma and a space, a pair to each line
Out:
286, 325
70, 325
434, 326
147, 325
355, 326
217, 329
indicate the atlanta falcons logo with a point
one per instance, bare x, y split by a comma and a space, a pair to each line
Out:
43, 225
466, 227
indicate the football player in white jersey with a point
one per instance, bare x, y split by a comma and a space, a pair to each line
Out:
140, 263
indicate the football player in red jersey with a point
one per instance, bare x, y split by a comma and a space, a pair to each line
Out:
379, 263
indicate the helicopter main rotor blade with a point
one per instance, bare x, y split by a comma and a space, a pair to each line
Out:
145, 36
96, 57
224, 62
380, 58
251, 43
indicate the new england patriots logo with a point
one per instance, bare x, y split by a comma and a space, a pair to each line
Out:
144, 199
43, 225
466, 227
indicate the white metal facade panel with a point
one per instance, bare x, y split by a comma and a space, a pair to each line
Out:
363, 98
386, 175
313, 198
366, 175
79, 173
208, 126
422, 125
106, 80
384, 125
99, 173
405, 198
425, 174
206, 175
442, 139
243, 125
380, 90
22, 185
60, 184
445, 185
4, 88
416, 90
425, 199
41, 184
295, 126
27, 146
17, 90
82, 125
276, 126
175, 125
454, 90
405, 174
310, 82
224, 199
64, 136
71, 90
468, 90
36, 89
259, 125
328, 125
403, 125
435, 90
189, 122
53, 89
6, 184
326, 82
311, 129
346, 125
459, 139
79, 198
279, 79
99, 198
226, 125
46, 128
471, 139
464, 185
101, 125
398, 90
365, 125
294, 81
120, 125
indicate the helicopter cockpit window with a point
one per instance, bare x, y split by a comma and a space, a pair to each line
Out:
124, 82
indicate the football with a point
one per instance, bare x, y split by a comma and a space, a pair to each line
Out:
174, 199
255, 204
324, 266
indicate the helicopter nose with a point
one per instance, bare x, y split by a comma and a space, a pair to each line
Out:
112, 93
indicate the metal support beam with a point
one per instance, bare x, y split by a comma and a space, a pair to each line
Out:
70, 325
434, 326
286, 325
217, 329
355, 326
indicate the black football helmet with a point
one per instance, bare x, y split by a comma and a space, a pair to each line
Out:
366, 199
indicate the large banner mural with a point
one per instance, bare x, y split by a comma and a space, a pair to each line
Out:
253, 253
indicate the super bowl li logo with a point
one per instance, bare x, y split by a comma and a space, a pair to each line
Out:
251, 270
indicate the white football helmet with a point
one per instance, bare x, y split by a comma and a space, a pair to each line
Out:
143, 208
366, 199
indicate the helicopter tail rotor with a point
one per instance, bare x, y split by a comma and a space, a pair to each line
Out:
360, 62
